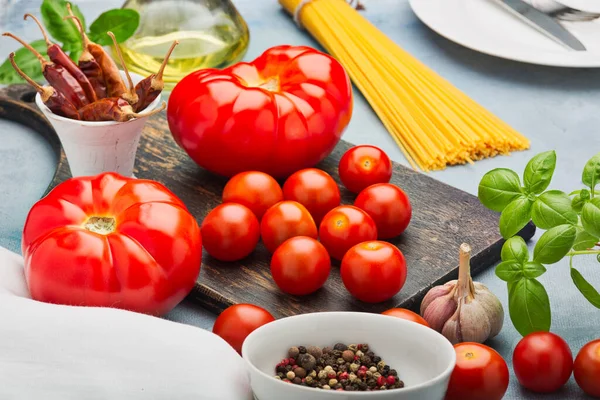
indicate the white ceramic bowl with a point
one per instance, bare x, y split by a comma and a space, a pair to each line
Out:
423, 358
94, 147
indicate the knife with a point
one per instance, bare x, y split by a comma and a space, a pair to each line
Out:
543, 23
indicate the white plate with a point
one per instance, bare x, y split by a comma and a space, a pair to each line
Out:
487, 27
583, 5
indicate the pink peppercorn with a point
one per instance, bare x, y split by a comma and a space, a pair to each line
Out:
362, 368
381, 381
343, 376
285, 362
391, 380
331, 375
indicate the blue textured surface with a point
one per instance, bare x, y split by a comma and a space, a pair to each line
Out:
555, 108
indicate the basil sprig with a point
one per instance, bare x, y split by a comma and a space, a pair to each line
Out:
572, 228
122, 22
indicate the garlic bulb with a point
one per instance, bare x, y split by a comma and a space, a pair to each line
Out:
463, 310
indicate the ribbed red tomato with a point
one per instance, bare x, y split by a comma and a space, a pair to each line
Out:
389, 207
300, 266
314, 189
403, 313
285, 220
256, 190
343, 227
230, 232
238, 321
363, 166
111, 241
280, 113
480, 373
373, 271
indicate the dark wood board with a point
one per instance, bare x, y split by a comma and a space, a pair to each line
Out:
443, 218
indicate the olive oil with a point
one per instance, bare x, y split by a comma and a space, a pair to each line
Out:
209, 37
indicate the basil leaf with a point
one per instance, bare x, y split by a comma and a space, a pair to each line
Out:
554, 244
591, 172
27, 62
533, 269
529, 306
122, 22
515, 216
577, 203
590, 216
539, 171
584, 240
586, 289
585, 194
62, 31
509, 271
498, 188
515, 249
551, 209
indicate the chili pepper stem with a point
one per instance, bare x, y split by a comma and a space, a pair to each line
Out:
45, 92
131, 97
157, 82
39, 24
36, 53
149, 114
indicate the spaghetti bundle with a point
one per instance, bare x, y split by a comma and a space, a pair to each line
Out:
433, 122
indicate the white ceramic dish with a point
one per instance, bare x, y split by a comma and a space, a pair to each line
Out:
485, 26
423, 358
95, 147
583, 5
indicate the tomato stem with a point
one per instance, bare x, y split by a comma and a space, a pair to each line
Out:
101, 225
271, 84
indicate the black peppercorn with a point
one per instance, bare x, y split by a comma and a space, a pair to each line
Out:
327, 350
297, 380
366, 360
340, 347
281, 369
307, 361
302, 349
376, 359
315, 351
293, 352
393, 372
370, 353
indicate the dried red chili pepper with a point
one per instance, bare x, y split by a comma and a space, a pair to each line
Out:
115, 87
113, 109
55, 101
149, 88
58, 77
59, 57
131, 97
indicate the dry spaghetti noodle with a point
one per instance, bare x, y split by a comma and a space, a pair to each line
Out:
433, 122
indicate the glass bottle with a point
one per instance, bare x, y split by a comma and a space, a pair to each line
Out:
211, 34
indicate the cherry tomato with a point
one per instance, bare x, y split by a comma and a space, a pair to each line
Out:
363, 166
587, 368
238, 321
389, 207
255, 190
480, 373
285, 220
344, 227
373, 271
406, 314
543, 362
230, 232
314, 189
300, 265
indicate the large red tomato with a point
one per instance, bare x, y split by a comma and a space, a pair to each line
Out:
403, 313
230, 232
344, 227
300, 266
587, 368
111, 241
238, 321
373, 271
543, 362
389, 207
280, 113
314, 189
253, 189
285, 220
480, 373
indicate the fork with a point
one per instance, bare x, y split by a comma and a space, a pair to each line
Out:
573, 15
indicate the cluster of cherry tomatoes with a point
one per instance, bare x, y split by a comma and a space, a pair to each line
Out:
303, 225
542, 362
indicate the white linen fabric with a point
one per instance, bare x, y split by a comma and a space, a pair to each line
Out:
55, 352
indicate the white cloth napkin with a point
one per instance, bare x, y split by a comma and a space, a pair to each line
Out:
54, 352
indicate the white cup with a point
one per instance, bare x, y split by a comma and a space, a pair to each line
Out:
95, 147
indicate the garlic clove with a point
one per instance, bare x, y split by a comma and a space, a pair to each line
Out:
435, 292
451, 329
439, 310
493, 308
475, 323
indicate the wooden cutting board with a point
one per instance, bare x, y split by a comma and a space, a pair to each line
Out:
443, 218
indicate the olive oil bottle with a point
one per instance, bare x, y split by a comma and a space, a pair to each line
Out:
211, 34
